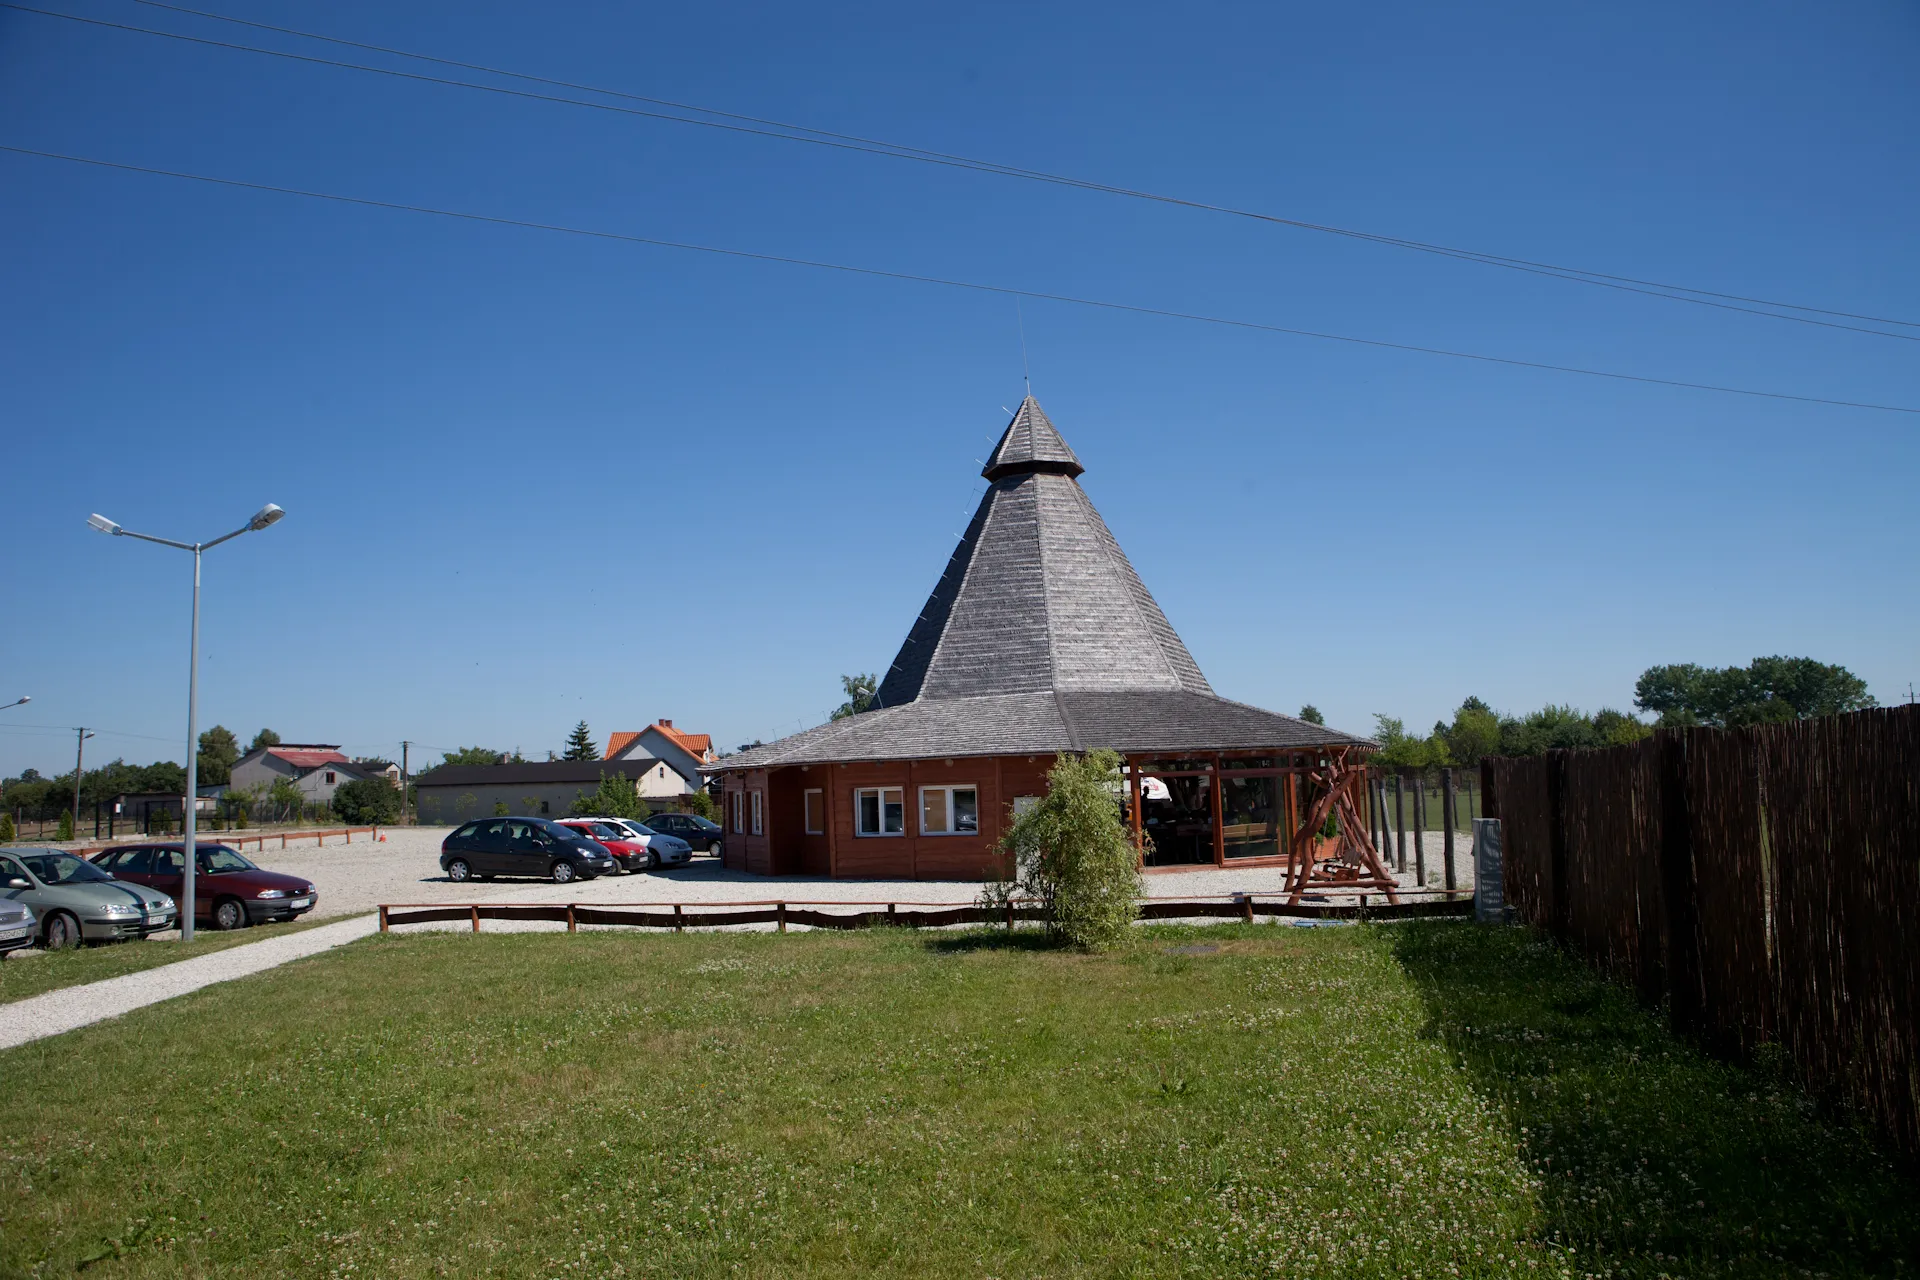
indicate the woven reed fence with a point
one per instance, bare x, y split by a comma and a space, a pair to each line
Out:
1762, 883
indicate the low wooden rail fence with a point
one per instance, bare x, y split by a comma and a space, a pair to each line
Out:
913, 915
240, 842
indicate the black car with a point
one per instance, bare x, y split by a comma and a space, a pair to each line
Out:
531, 847
691, 827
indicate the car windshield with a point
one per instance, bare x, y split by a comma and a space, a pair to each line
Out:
63, 868
604, 831
641, 828
220, 858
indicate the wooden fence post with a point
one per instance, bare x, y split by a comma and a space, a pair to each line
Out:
476, 917
1420, 829
1246, 908
1400, 822
572, 925
383, 917
679, 920
1448, 816
1009, 915
781, 909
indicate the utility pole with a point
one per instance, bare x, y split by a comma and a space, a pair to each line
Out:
404, 744
79, 758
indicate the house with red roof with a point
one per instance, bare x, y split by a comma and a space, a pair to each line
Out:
317, 768
678, 757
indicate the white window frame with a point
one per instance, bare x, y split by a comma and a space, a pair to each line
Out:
739, 822
754, 807
949, 788
881, 792
813, 813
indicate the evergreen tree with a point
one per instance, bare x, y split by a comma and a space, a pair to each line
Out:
580, 744
1311, 714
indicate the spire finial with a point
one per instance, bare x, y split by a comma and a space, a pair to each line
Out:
1026, 370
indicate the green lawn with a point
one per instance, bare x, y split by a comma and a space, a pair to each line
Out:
1413, 1100
29, 975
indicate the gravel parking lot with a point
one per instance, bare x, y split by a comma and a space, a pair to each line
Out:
354, 879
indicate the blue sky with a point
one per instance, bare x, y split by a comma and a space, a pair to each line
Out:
533, 479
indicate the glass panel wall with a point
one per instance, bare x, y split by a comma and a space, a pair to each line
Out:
1250, 813
1178, 820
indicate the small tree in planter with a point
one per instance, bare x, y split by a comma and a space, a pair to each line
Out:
1072, 852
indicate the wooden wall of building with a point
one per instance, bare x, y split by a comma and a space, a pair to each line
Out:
785, 847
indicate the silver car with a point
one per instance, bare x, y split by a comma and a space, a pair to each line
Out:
78, 902
663, 850
17, 926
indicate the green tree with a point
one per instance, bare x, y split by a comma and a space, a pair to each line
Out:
580, 744
1618, 729
65, 829
285, 801
1474, 733
474, 755
1072, 852
1311, 714
616, 797
1402, 750
860, 692
264, 738
500, 809
369, 801
1766, 691
219, 751
7, 832
703, 804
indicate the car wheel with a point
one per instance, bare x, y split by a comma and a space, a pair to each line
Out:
459, 871
563, 873
229, 914
62, 932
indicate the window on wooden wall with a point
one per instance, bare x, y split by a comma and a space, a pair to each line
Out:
816, 806
879, 811
755, 807
949, 811
739, 825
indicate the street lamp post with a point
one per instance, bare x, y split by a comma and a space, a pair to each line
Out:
267, 515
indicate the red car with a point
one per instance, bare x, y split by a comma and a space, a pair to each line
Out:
631, 854
228, 891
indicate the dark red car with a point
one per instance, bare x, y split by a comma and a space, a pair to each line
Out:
228, 892
629, 853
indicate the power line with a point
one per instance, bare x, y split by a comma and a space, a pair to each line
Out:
781, 130
975, 286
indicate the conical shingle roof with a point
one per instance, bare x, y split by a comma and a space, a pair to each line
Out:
1038, 596
1039, 637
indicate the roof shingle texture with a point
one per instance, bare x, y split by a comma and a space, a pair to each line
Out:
1040, 637
552, 772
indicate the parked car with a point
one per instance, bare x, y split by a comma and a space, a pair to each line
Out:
74, 901
697, 831
511, 846
18, 926
628, 850
229, 892
662, 850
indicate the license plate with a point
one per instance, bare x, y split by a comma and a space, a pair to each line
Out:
8, 935
301, 902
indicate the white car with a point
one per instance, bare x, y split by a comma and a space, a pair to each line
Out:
663, 850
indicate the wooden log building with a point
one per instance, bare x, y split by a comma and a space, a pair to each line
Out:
1039, 639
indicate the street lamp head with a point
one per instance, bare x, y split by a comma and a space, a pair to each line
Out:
103, 524
269, 514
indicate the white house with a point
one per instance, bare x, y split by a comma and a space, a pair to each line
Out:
676, 757
317, 768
